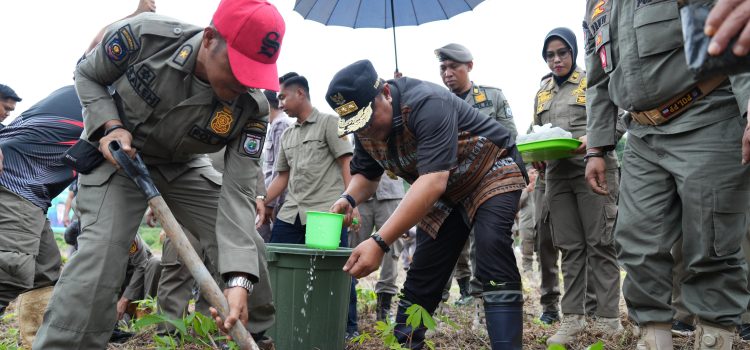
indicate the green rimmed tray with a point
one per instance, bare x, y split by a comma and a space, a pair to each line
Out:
537, 151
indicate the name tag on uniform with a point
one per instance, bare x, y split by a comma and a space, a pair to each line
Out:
484, 104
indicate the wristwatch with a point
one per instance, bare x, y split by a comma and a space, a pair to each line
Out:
240, 281
593, 155
261, 197
379, 240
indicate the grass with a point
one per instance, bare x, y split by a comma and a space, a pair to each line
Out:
149, 234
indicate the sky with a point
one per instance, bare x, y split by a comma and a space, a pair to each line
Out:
44, 39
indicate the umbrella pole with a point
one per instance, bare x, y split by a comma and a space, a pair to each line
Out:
393, 22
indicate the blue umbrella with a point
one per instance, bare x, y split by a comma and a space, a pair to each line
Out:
381, 13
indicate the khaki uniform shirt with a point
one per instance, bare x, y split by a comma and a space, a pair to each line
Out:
309, 152
636, 61
564, 106
175, 119
492, 102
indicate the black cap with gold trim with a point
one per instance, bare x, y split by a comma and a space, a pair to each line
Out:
351, 93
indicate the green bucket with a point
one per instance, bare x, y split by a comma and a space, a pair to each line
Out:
311, 294
323, 230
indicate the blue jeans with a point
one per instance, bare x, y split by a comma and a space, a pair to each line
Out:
284, 232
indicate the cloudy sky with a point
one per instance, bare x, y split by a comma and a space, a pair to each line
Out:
44, 38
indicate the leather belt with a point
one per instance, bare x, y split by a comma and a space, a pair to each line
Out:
678, 104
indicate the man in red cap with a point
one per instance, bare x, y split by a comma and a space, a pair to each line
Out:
179, 92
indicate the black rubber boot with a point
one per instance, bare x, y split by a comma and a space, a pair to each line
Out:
463, 287
408, 338
503, 312
383, 309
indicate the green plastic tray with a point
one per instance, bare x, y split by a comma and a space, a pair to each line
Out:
547, 149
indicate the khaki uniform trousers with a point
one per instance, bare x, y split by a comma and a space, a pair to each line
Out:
547, 253
82, 314
680, 311
582, 223
373, 214
691, 186
29, 257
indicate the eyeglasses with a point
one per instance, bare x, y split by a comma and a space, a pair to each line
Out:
562, 53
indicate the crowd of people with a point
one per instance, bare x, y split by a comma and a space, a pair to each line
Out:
241, 155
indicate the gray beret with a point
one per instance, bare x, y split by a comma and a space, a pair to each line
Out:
455, 52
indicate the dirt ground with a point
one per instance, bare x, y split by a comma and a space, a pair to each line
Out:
445, 336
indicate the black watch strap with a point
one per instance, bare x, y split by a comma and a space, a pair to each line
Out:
349, 199
113, 128
379, 240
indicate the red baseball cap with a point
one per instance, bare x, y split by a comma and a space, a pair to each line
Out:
253, 30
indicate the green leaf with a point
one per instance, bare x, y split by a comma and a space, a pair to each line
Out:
415, 316
597, 346
430, 344
448, 321
556, 347
427, 319
148, 320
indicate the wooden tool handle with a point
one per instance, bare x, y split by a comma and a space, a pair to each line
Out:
190, 258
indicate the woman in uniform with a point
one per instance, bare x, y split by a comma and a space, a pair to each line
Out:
581, 220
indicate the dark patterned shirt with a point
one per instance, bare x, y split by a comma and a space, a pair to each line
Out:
432, 131
33, 146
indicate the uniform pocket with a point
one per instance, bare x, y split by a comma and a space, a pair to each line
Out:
657, 28
730, 221
610, 216
17, 269
92, 190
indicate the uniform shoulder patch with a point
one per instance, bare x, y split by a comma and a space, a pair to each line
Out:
183, 54
253, 138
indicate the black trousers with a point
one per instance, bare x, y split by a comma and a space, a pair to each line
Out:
434, 259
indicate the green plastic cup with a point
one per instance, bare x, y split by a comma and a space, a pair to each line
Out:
323, 230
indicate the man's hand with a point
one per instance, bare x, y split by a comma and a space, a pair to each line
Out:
582, 148
122, 305
365, 259
145, 6
342, 206
596, 175
66, 220
125, 139
728, 19
260, 212
151, 218
237, 299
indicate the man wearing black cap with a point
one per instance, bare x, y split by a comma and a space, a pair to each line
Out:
8, 100
464, 171
456, 61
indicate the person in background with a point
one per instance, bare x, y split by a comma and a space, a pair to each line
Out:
581, 220
32, 174
313, 164
278, 121
8, 100
456, 62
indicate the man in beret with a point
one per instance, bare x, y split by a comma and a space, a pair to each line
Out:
456, 61
465, 173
